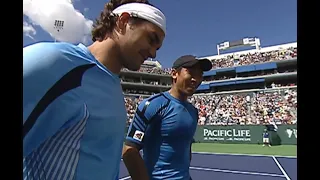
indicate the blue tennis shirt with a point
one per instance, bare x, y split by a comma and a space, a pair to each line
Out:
74, 114
164, 127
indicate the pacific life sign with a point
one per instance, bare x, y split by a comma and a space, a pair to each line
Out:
226, 134
245, 134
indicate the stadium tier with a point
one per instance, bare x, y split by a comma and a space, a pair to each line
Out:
243, 88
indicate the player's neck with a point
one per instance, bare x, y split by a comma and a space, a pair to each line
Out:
176, 94
106, 53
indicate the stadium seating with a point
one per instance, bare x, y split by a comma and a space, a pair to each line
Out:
276, 104
263, 107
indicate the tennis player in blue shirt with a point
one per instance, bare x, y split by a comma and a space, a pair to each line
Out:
74, 115
164, 126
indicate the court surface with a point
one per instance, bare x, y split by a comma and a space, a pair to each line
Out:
210, 166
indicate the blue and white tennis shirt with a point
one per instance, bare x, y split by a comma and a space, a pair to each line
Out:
73, 114
163, 127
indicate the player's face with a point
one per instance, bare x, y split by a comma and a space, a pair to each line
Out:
140, 41
188, 79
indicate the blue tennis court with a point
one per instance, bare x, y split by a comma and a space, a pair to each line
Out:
208, 166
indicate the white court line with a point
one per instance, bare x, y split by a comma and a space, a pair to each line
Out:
230, 171
237, 172
124, 178
254, 155
280, 167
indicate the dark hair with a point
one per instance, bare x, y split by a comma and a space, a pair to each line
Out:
105, 23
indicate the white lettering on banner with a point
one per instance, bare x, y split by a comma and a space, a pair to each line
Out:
291, 132
295, 132
226, 135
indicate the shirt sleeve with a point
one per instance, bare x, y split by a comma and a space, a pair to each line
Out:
46, 108
145, 114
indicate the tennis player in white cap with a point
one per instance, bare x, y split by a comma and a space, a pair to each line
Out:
74, 114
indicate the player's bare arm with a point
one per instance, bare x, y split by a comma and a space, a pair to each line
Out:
134, 163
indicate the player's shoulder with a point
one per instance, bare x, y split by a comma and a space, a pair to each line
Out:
57, 51
154, 102
192, 107
48, 47
158, 98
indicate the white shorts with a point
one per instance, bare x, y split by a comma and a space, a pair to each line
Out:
266, 140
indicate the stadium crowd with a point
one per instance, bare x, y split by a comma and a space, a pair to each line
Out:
238, 60
271, 105
253, 58
206, 79
154, 70
261, 73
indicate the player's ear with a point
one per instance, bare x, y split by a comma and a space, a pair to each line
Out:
174, 74
122, 22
